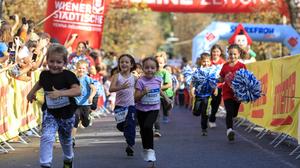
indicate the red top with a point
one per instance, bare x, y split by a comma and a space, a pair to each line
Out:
221, 61
227, 73
97, 77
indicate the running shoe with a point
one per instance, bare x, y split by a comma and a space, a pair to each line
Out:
129, 150
230, 134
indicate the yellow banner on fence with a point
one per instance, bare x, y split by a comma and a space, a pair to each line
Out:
24, 110
16, 113
259, 109
278, 109
8, 123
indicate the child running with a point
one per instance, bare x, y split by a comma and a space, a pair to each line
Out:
147, 98
123, 84
217, 60
227, 74
166, 76
85, 100
60, 86
201, 94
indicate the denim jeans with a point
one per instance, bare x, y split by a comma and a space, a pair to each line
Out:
50, 125
128, 126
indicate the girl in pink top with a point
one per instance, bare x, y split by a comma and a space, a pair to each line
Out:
123, 84
216, 53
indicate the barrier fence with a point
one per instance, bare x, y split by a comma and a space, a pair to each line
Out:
17, 115
278, 109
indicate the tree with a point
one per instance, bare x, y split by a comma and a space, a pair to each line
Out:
131, 30
25, 9
294, 11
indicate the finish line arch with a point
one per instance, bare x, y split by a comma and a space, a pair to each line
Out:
86, 17
258, 32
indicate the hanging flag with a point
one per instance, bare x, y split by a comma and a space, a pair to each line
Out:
82, 17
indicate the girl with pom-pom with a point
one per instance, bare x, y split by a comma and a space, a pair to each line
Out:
201, 89
227, 75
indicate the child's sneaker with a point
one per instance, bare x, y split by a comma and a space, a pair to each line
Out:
129, 150
68, 164
151, 155
157, 133
230, 134
212, 124
204, 132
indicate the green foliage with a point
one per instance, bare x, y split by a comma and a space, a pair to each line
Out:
131, 30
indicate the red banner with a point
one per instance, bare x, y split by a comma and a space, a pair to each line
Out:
83, 17
211, 6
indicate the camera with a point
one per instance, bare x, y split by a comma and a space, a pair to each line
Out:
24, 21
34, 56
12, 17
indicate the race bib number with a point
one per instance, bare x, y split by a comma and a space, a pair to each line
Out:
120, 114
152, 97
57, 103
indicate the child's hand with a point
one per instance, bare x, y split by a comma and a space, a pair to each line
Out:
90, 100
216, 92
145, 90
31, 97
74, 35
54, 94
125, 85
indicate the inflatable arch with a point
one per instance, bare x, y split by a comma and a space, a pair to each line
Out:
258, 32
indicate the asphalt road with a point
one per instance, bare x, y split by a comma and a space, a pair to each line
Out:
181, 146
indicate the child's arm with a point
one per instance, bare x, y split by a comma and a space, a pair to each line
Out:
166, 86
114, 87
93, 92
72, 92
192, 90
31, 95
215, 92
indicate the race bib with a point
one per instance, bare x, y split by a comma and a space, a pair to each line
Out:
57, 103
152, 97
120, 114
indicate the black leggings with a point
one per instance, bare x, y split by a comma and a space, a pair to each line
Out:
200, 108
146, 121
232, 109
215, 103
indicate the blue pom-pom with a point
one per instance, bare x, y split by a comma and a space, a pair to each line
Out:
245, 86
205, 79
187, 73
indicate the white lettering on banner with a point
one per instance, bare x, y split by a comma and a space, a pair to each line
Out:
186, 2
78, 7
78, 17
165, 2
225, 2
81, 16
201, 2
